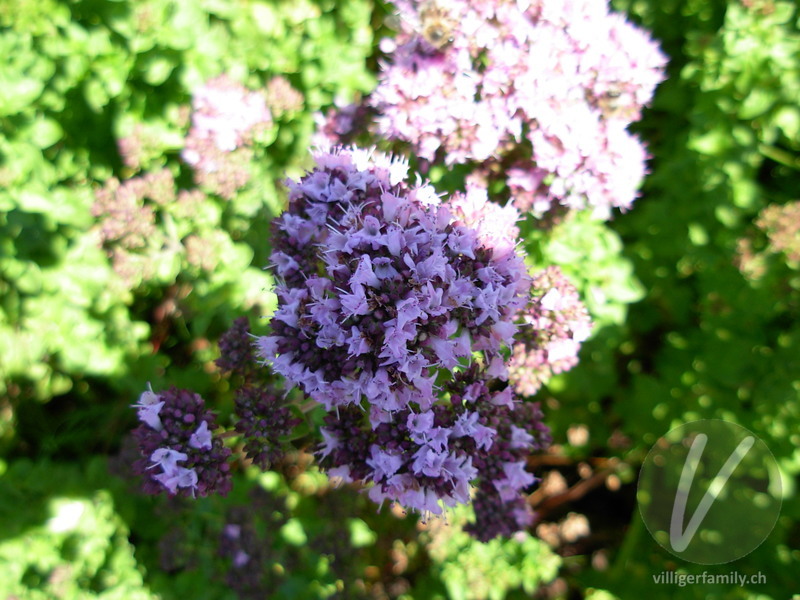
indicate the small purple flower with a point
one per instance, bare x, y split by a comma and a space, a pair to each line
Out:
178, 477
148, 408
420, 424
167, 459
201, 438
516, 478
181, 455
384, 464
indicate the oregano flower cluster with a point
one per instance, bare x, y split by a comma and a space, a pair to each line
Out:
552, 327
383, 284
180, 453
537, 94
397, 311
384, 288
225, 117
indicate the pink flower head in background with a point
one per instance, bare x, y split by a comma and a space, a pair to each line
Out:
552, 328
225, 115
226, 112
546, 87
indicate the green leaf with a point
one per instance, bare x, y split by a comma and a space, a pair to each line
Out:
712, 143
157, 70
45, 132
292, 532
360, 534
95, 95
787, 118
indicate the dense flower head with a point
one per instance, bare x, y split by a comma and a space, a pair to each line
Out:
386, 292
428, 460
225, 116
552, 327
262, 411
263, 417
179, 452
226, 112
547, 87
383, 284
236, 348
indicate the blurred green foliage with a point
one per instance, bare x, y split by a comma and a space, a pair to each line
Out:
695, 309
62, 539
709, 340
81, 76
475, 571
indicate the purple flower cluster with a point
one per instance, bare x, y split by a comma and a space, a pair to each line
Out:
382, 284
236, 349
552, 327
263, 415
225, 117
424, 460
384, 287
179, 452
540, 92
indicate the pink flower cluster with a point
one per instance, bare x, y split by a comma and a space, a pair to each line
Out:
553, 326
225, 115
383, 288
281, 97
138, 222
781, 223
179, 452
127, 215
540, 92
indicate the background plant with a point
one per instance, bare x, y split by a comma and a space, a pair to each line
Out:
693, 294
